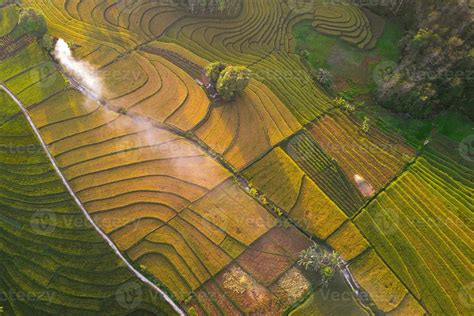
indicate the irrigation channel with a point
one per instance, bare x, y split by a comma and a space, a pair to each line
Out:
363, 297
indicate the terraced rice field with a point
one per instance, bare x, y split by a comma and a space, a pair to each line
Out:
284, 183
259, 37
422, 226
162, 170
349, 23
376, 157
324, 171
141, 186
51, 259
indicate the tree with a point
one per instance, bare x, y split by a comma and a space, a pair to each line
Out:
365, 125
434, 73
32, 22
345, 105
320, 260
323, 77
232, 80
47, 42
213, 71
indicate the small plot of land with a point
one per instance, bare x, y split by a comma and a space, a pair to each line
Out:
324, 171
423, 221
285, 184
338, 293
263, 279
374, 157
246, 128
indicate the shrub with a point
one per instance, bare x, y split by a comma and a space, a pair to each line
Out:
344, 104
323, 77
32, 22
365, 125
47, 42
320, 260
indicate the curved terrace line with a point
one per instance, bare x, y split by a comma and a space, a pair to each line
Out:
79, 204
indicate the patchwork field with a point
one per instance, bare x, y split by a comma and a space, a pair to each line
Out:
324, 171
214, 202
375, 157
51, 259
423, 222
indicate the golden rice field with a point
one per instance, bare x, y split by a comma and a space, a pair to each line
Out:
187, 189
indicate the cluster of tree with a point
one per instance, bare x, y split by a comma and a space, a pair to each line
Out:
228, 7
228, 81
318, 259
323, 77
32, 22
436, 71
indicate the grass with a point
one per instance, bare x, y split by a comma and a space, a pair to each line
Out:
9, 19
351, 67
320, 46
454, 125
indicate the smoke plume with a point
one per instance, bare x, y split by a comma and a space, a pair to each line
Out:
79, 70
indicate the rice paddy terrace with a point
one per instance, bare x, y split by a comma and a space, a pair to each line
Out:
214, 203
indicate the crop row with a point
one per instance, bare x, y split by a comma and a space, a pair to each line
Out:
345, 21
52, 260
373, 156
421, 225
324, 171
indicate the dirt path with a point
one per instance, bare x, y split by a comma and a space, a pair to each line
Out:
79, 204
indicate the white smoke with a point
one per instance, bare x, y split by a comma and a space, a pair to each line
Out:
79, 70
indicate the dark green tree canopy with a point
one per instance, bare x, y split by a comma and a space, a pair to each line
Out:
213, 71
232, 80
32, 22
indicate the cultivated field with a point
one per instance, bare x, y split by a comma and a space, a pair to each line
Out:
422, 226
214, 202
52, 260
